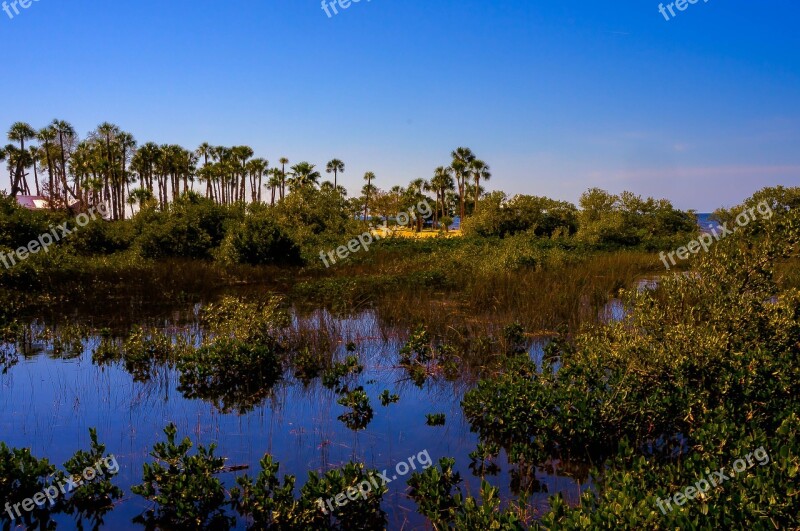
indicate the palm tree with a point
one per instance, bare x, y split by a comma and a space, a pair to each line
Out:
441, 182
256, 168
66, 137
205, 151
108, 132
335, 166
304, 175
139, 196
241, 154
35, 153
127, 146
462, 157
20, 132
275, 182
479, 171
415, 194
284, 161
46, 135
369, 176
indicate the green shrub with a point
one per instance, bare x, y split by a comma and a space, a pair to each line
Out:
192, 227
101, 237
21, 477
259, 240
269, 504
433, 491
185, 490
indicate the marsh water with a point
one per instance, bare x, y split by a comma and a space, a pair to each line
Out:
49, 400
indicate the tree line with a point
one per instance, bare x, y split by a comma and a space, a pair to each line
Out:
110, 166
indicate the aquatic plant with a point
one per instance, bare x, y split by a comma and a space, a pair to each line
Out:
95, 498
184, 488
259, 322
439, 497
145, 350
34, 491
332, 378
387, 398
22, 476
361, 412
270, 504
435, 419
701, 370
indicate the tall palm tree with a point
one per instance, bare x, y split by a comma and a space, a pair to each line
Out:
441, 182
205, 151
20, 132
66, 137
304, 175
222, 155
462, 157
369, 177
107, 132
35, 153
284, 161
127, 146
275, 182
256, 169
479, 171
335, 166
46, 136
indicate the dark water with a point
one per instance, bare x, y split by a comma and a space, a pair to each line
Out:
49, 404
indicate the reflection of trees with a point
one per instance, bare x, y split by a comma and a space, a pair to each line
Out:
232, 374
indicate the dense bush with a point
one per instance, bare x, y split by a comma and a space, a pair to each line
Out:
19, 225
192, 227
102, 237
259, 240
700, 372
499, 216
628, 220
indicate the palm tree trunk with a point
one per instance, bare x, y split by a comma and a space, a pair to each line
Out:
36, 177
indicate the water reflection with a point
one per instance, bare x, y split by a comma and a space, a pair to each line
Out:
56, 392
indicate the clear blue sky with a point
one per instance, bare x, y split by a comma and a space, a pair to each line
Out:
556, 96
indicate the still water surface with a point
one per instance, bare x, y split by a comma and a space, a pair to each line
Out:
49, 403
